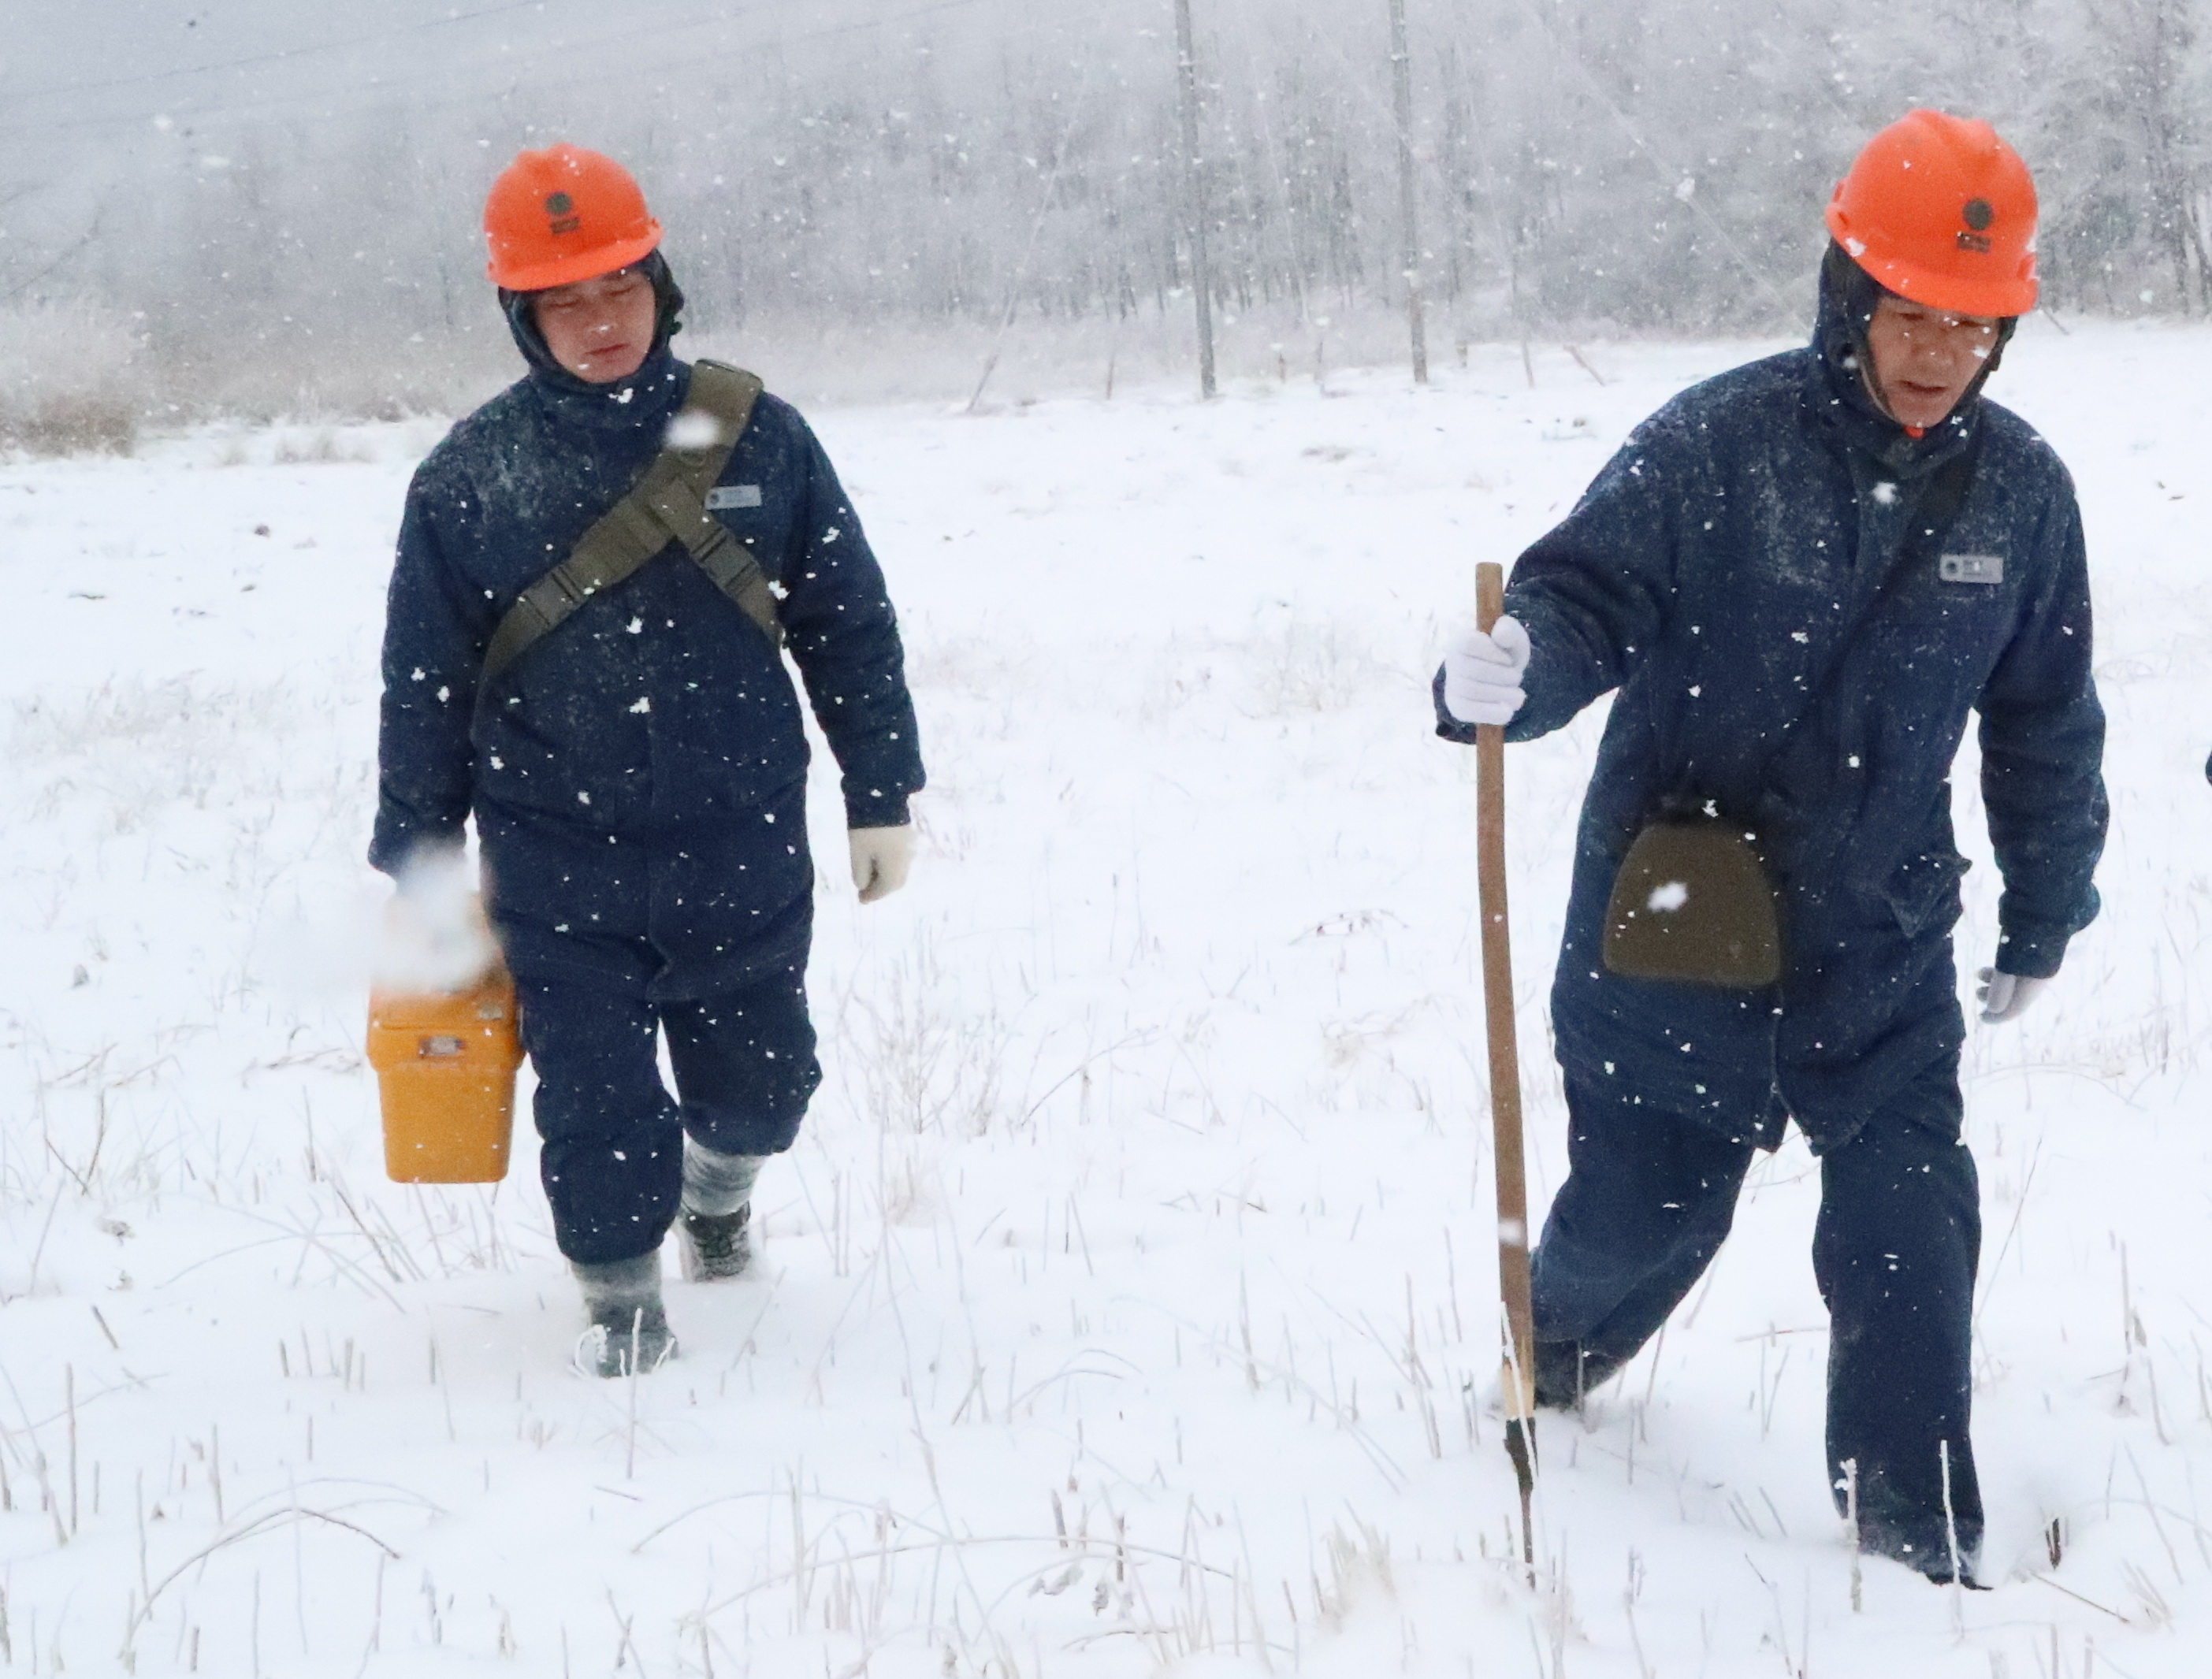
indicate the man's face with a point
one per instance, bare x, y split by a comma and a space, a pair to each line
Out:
600, 329
1924, 358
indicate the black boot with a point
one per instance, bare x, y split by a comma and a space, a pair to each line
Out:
1925, 1542
1932, 1562
715, 1246
628, 1334
1567, 1371
714, 1230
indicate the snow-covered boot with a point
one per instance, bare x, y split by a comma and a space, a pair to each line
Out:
629, 1333
714, 1235
1567, 1371
1930, 1561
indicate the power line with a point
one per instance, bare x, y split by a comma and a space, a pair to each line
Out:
390, 92
1628, 128
1636, 139
280, 55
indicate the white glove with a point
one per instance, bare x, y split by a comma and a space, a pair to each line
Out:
1482, 673
881, 857
2005, 996
435, 937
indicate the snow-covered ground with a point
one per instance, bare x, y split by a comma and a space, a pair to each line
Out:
1126, 1306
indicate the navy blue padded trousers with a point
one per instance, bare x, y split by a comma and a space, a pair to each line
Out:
1650, 1196
612, 1162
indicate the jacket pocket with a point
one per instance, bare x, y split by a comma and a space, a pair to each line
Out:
1923, 893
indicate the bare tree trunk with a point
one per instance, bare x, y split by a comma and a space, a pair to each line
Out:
2159, 46
1201, 275
1401, 97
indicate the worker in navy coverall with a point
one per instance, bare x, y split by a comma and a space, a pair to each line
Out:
638, 777
1706, 578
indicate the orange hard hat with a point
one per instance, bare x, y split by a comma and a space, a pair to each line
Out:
563, 214
1941, 211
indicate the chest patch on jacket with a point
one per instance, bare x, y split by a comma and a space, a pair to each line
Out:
732, 495
1971, 568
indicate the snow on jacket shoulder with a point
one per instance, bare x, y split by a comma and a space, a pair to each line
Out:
1710, 575
639, 773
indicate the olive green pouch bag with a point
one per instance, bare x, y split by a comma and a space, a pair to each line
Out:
1692, 903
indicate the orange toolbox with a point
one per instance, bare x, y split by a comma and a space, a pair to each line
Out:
445, 1066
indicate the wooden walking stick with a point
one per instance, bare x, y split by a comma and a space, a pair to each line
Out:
1518, 1385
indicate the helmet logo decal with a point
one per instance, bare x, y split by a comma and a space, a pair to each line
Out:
1977, 214
562, 208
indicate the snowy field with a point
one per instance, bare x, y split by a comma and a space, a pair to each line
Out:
1126, 1306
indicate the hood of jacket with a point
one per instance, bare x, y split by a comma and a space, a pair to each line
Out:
1842, 360
648, 397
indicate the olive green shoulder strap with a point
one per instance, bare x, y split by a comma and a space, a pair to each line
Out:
669, 503
680, 499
